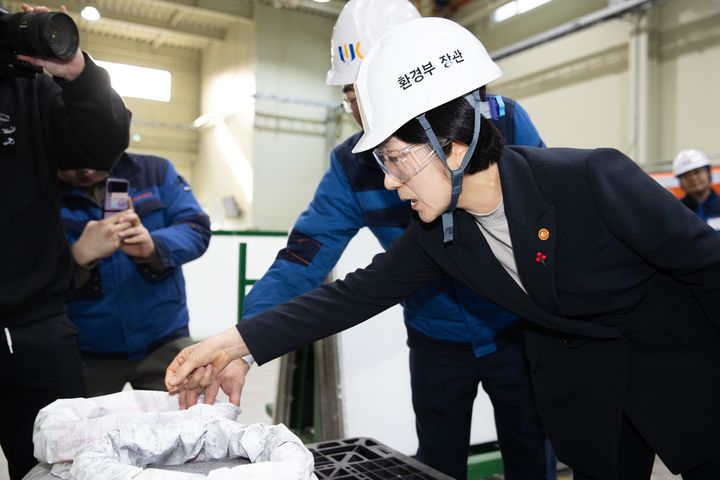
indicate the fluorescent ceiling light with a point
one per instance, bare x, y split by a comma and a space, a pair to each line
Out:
90, 13
527, 5
516, 7
504, 12
321, 1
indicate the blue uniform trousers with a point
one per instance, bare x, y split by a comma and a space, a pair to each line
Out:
445, 378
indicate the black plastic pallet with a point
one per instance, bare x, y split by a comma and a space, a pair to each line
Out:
367, 459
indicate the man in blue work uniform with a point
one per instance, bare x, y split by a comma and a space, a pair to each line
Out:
692, 169
456, 338
129, 299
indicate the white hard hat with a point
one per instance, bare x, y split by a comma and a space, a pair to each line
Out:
688, 160
414, 68
360, 24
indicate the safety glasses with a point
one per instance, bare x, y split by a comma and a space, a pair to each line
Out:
404, 164
348, 103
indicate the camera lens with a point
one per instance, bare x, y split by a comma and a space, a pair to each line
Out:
59, 35
46, 34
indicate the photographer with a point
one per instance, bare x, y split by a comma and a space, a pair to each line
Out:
70, 120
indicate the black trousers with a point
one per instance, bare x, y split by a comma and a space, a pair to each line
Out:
445, 378
44, 365
636, 459
109, 375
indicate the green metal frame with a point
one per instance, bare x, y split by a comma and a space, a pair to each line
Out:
484, 461
243, 281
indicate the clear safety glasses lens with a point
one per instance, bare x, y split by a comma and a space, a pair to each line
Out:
404, 164
347, 104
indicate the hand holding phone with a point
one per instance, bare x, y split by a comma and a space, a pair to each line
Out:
99, 239
117, 197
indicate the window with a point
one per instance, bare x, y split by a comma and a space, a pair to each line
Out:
516, 7
139, 82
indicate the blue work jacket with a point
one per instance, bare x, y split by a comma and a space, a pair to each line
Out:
351, 195
128, 307
709, 210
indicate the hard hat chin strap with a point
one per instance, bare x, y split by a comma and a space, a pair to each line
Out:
456, 176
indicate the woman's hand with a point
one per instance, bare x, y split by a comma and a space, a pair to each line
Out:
199, 365
231, 380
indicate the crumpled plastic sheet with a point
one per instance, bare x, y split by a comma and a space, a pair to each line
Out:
131, 434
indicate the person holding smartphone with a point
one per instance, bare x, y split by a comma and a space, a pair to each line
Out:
69, 118
130, 231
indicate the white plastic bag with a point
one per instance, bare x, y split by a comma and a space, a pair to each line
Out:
119, 436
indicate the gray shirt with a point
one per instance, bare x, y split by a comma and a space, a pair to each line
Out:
494, 227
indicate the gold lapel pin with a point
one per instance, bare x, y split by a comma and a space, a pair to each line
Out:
543, 234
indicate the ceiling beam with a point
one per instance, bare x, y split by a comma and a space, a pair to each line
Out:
191, 10
331, 9
174, 24
156, 36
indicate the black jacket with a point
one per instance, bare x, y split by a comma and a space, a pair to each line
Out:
622, 316
46, 125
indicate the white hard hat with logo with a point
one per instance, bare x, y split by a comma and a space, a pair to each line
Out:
688, 160
360, 24
414, 68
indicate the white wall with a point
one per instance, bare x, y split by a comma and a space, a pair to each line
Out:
574, 88
289, 153
224, 167
689, 76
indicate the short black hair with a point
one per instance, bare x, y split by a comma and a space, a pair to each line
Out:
455, 120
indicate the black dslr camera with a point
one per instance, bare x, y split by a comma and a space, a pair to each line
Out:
45, 34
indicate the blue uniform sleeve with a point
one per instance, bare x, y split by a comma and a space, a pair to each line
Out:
316, 242
391, 277
525, 132
187, 232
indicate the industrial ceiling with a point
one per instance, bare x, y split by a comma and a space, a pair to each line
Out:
194, 24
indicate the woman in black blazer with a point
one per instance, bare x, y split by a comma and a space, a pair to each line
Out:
619, 283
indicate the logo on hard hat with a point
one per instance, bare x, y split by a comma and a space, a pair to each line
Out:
349, 52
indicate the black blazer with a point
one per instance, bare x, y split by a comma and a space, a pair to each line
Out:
622, 317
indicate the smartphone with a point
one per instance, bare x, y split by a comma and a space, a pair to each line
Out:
117, 198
